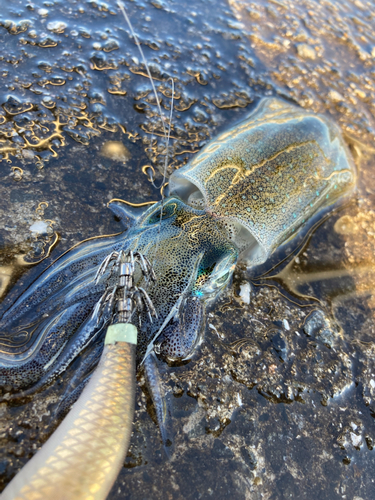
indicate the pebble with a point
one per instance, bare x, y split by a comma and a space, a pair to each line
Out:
245, 292
306, 51
335, 96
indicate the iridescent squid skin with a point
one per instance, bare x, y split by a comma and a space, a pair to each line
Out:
245, 194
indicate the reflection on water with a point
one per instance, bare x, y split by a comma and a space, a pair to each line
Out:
359, 234
77, 124
115, 151
5, 277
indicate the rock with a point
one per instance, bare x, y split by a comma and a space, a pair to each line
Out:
245, 292
306, 51
317, 325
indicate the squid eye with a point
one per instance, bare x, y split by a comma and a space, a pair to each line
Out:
222, 279
211, 279
168, 211
208, 282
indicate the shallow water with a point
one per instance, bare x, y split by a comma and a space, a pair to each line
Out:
279, 401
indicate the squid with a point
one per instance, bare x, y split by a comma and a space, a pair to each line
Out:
245, 194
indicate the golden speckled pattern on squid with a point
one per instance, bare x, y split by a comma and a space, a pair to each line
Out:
270, 173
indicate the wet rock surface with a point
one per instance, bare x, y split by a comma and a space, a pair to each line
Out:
278, 402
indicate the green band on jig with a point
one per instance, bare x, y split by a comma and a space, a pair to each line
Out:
121, 332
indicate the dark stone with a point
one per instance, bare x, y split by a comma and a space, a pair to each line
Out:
249, 458
280, 346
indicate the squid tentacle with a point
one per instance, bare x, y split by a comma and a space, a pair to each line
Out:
155, 386
179, 340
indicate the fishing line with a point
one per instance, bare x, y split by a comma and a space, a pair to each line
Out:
166, 135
